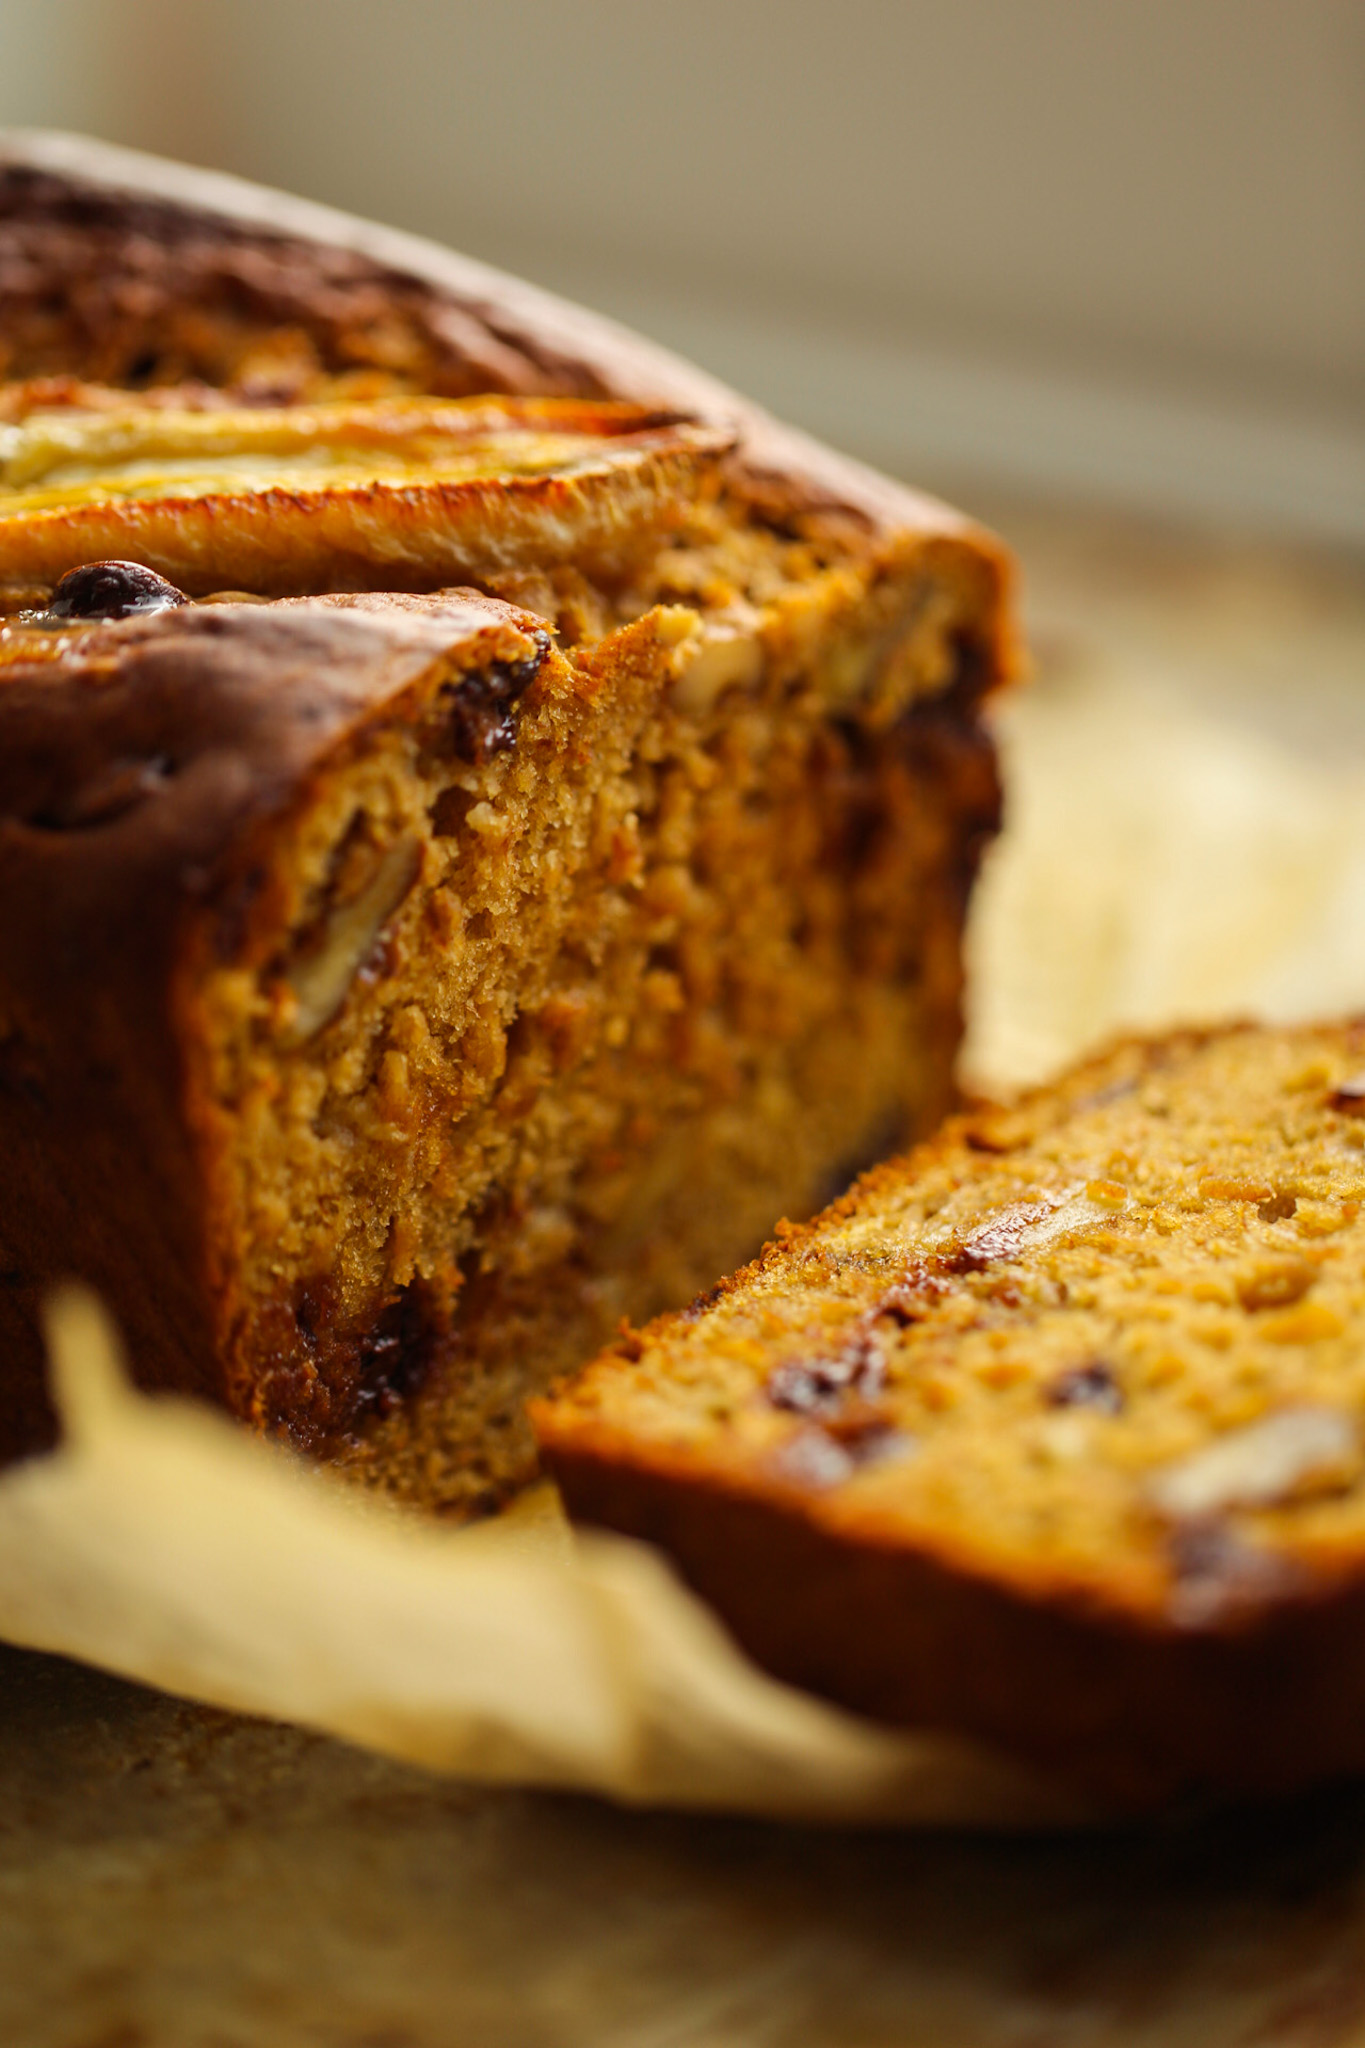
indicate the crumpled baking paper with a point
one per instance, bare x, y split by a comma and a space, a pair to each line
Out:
164, 1543
1159, 864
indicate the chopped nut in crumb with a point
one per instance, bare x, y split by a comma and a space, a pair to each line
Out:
1294, 1452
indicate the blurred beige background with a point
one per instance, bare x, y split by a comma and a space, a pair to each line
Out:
1106, 247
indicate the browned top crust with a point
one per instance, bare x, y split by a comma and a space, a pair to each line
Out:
127, 269
209, 713
131, 269
135, 762
144, 759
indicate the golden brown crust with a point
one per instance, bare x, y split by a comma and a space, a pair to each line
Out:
1008, 1444
1130, 1716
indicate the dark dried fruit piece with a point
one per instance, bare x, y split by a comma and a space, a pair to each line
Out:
112, 590
1091, 1385
820, 1386
396, 1355
481, 715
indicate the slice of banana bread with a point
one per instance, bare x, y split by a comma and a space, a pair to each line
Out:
1052, 1433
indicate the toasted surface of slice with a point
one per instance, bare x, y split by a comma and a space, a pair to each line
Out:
1052, 1433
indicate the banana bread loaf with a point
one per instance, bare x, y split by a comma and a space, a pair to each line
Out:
1052, 1433
486, 818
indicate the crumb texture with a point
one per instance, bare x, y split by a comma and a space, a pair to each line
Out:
1094, 1357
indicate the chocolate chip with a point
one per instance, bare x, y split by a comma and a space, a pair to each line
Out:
481, 721
1091, 1385
1349, 1098
819, 1386
112, 590
1277, 1208
372, 1373
395, 1355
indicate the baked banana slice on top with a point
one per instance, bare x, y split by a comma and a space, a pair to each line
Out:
398, 494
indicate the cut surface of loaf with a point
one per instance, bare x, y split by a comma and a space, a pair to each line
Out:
1052, 1433
486, 819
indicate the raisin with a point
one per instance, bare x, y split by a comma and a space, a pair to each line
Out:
1091, 1385
112, 590
820, 1386
481, 721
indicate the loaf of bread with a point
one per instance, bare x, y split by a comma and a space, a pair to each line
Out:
486, 817
1052, 1433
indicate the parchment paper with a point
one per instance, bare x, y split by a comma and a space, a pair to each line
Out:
1160, 863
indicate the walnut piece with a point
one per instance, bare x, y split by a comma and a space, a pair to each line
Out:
321, 980
1294, 1452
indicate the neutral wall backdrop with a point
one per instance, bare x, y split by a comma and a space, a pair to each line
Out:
1105, 244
